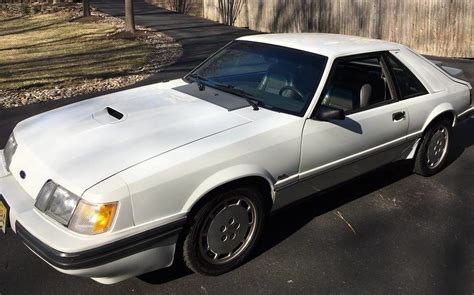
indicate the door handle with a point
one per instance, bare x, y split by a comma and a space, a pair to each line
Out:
398, 116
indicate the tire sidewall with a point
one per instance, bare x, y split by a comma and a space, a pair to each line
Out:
421, 164
191, 253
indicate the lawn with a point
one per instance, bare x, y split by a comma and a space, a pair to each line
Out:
51, 51
46, 49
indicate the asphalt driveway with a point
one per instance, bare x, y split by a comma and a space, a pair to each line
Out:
387, 232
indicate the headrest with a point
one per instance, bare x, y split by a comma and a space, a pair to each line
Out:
365, 94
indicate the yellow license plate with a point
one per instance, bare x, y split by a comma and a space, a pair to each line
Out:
3, 217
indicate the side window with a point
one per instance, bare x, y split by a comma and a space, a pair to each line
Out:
408, 85
357, 84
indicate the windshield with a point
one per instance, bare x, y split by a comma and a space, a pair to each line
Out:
273, 77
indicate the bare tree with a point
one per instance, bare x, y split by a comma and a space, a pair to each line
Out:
86, 8
129, 16
230, 10
181, 6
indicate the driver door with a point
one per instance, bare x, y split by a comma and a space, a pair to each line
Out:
372, 134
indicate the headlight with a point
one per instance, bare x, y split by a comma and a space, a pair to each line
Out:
9, 151
57, 202
69, 210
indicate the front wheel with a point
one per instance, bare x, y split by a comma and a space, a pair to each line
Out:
224, 231
433, 151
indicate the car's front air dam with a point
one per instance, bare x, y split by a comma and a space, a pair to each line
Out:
112, 262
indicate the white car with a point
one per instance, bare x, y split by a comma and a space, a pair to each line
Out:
125, 183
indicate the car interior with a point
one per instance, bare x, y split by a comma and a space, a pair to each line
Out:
357, 84
287, 85
281, 79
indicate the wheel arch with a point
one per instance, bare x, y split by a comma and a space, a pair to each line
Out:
442, 111
231, 177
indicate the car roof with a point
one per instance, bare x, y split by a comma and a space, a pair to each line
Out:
330, 45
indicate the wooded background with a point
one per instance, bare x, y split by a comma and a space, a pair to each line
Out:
434, 27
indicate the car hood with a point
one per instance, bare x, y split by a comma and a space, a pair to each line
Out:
87, 142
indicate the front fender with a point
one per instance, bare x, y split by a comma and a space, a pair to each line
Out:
225, 176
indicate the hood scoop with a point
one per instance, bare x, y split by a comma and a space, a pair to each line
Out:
108, 116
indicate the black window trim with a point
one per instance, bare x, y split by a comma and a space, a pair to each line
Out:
385, 69
389, 54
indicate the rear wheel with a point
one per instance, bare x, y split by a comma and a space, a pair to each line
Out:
224, 231
433, 151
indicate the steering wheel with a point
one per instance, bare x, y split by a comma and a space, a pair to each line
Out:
298, 95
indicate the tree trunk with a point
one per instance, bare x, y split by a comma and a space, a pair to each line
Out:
129, 16
86, 8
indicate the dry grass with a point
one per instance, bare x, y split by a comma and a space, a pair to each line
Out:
45, 50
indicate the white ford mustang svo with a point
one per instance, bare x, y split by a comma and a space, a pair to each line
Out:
123, 184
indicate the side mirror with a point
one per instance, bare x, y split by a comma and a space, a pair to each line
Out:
327, 113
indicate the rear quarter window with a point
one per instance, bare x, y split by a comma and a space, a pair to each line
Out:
407, 83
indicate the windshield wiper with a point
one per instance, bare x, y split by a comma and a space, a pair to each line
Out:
241, 93
200, 81
226, 88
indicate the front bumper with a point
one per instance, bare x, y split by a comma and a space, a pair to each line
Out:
122, 255
103, 254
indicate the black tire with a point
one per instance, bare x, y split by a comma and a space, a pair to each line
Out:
421, 165
192, 252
